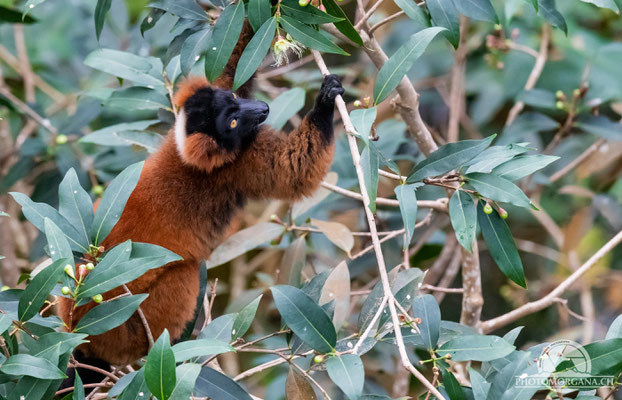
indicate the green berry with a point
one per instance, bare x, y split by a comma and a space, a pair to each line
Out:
69, 270
488, 209
357, 103
98, 190
65, 290
61, 139
559, 94
318, 359
90, 266
3, 288
560, 105
303, 3
98, 298
502, 213
576, 92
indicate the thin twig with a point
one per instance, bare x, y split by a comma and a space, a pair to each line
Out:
384, 278
576, 161
368, 14
143, 319
534, 75
25, 108
386, 20
75, 364
535, 306
431, 288
86, 386
373, 321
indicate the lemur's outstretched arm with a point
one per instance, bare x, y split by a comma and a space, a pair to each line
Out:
225, 80
291, 166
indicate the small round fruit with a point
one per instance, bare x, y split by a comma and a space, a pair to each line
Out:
98, 190
318, 359
576, 92
303, 3
65, 290
61, 139
502, 213
357, 103
488, 209
69, 270
559, 105
90, 266
98, 298
559, 94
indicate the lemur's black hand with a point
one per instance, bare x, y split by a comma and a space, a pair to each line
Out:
331, 87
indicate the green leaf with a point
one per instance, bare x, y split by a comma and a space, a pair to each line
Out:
344, 26
27, 365
445, 14
305, 318
600, 126
496, 155
218, 386
243, 241
478, 384
224, 37
347, 372
451, 385
187, 9
58, 245
481, 10
137, 388
310, 15
285, 106
449, 157
120, 273
401, 62
404, 289
5, 322
244, 319
61, 341
501, 245
414, 12
138, 98
522, 166
186, 376
30, 4
407, 197
426, 308
36, 214
615, 330
294, 260
160, 372
605, 358
254, 53
109, 314
463, 216
370, 163
111, 135
101, 9
497, 188
336, 290
146, 71
193, 47
78, 388
259, 11
113, 202
76, 205
540, 98
476, 348
13, 16
150, 20
200, 348
219, 329
546, 9
610, 4
39, 289
297, 386
370, 306
309, 36
363, 120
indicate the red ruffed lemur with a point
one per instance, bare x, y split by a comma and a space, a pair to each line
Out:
217, 156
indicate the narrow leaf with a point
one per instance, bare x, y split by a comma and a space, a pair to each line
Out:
546, 8
101, 9
414, 12
309, 36
27, 365
285, 106
76, 205
522, 166
407, 198
337, 233
160, 372
78, 388
501, 245
445, 14
370, 161
254, 53
449, 157
305, 318
224, 37
426, 308
401, 62
348, 373
186, 377
218, 386
497, 188
58, 245
200, 348
476, 348
109, 314
298, 387
363, 120
39, 289
344, 26
244, 319
258, 12
481, 10
336, 289
310, 15
463, 216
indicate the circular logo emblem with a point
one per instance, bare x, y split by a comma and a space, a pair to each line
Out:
572, 355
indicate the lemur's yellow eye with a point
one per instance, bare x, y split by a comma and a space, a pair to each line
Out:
234, 96
234, 123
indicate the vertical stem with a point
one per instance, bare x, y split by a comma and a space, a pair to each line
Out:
456, 96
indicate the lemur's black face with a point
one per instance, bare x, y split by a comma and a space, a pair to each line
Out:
230, 120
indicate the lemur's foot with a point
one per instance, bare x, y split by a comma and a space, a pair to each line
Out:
331, 87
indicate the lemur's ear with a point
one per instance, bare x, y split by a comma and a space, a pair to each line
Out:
187, 88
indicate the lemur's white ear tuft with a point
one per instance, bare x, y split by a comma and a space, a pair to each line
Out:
180, 131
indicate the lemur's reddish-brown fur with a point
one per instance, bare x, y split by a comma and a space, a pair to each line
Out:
187, 209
